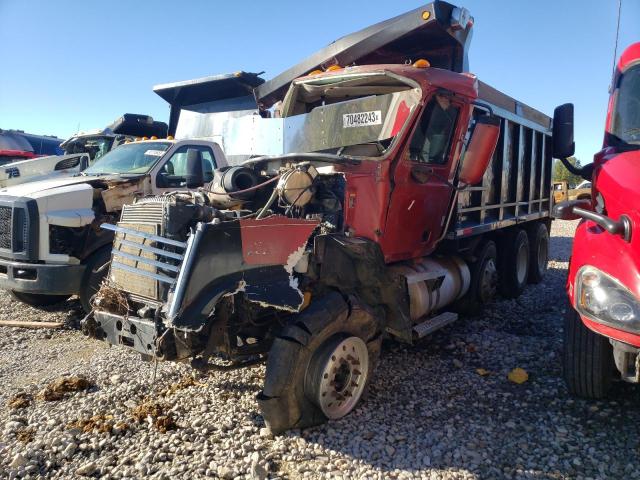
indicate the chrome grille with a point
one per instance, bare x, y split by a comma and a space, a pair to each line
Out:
5, 227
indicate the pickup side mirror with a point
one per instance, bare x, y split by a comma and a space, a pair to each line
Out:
563, 144
195, 175
484, 140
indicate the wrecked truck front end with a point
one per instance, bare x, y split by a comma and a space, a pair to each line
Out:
170, 307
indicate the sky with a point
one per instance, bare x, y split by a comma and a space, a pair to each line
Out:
77, 64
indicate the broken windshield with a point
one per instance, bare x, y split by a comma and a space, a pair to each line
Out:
131, 158
96, 146
352, 115
625, 121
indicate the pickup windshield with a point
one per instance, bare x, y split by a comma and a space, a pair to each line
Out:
625, 122
131, 158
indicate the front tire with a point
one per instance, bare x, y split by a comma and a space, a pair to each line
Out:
38, 299
94, 275
320, 365
587, 359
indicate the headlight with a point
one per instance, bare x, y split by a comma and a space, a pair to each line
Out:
603, 299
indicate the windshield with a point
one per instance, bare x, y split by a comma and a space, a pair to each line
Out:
132, 158
625, 122
96, 147
355, 115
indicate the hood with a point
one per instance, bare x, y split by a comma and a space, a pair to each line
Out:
31, 188
618, 180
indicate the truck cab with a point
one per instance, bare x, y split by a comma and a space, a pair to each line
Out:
51, 246
602, 325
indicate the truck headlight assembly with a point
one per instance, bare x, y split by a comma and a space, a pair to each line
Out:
603, 299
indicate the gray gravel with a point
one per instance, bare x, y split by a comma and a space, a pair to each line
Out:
429, 414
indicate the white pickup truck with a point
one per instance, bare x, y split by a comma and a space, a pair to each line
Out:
81, 150
51, 243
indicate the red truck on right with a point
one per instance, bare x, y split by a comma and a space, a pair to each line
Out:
602, 327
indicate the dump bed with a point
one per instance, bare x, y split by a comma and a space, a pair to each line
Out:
516, 187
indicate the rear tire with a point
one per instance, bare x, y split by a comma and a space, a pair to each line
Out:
587, 359
514, 264
539, 257
327, 339
94, 275
38, 299
484, 281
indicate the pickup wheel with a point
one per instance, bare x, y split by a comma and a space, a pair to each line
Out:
484, 281
539, 252
38, 299
320, 365
514, 263
93, 276
588, 364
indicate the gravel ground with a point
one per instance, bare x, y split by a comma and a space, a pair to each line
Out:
430, 414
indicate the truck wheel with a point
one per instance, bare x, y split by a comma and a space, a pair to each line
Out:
484, 281
587, 359
514, 264
94, 275
38, 299
320, 365
539, 256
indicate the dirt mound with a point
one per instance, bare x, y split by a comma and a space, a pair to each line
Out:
20, 400
57, 389
157, 414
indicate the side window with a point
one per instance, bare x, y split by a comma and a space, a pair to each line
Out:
173, 173
432, 139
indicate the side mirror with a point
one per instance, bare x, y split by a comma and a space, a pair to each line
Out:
564, 210
563, 144
484, 140
195, 175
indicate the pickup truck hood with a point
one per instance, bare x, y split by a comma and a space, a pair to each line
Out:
41, 188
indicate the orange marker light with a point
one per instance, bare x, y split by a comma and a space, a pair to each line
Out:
422, 63
153, 137
333, 68
426, 15
145, 138
314, 72
170, 137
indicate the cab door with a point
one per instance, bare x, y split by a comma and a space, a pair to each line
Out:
422, 192
172, 174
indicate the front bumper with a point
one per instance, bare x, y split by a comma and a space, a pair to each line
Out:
41, 278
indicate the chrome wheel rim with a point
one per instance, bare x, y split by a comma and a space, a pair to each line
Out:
343, 376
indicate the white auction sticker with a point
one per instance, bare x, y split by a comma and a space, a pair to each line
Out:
155, 153
362, 119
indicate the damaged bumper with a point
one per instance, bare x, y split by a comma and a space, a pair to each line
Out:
40, 278
136, 333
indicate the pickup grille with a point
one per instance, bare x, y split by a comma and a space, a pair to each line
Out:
5, 227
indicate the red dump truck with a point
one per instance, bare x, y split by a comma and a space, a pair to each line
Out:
406, 191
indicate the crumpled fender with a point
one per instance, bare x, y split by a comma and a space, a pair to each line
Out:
246, 255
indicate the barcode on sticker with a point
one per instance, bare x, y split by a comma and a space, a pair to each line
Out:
361, 119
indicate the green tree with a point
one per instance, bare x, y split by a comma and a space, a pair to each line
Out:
560, 173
